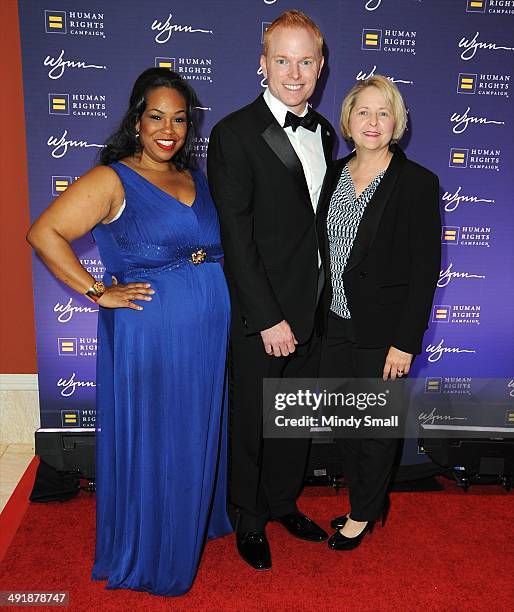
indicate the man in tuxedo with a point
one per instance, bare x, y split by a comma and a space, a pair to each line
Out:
266, 166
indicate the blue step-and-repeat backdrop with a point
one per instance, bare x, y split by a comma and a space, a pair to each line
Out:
453, 62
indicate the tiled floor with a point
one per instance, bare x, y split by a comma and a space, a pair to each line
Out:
14, 459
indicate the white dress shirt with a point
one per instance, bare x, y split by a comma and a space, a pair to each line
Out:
307, 145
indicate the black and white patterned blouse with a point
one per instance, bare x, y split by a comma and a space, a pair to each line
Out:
344, 216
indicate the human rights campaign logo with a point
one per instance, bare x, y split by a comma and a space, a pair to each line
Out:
60, 184
476, 6
371, 40
433, 384
165, 62
59, 104
467, 83
70, 418
450, 234
55, 22
441, 313
458, 158
67, 347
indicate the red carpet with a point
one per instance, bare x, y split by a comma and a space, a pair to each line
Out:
447, 550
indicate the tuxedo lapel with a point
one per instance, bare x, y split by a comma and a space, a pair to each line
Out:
276, 139
371, 218
279, 143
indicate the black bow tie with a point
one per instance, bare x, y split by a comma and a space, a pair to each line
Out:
309, 121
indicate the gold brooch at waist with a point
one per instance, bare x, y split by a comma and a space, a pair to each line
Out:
198, 257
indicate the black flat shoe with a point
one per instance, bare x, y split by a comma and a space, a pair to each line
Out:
301, 526
338, 522
340, 542
253, 548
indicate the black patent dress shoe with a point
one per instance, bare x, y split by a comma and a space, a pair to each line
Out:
340, 542
254, 549
302, 527
338, 522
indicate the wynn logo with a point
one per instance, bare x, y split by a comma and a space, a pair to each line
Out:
372, 5
70, 385
471, 47
447, 275
61, 144
453, 200
166, 29
58, 65
431, 418
66, 311
436, 352
362, 76
463, 120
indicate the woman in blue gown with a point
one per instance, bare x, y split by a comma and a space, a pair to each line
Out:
162, 340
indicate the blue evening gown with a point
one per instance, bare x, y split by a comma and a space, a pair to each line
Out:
161, 392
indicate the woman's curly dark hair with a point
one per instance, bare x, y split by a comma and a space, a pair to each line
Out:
124, 143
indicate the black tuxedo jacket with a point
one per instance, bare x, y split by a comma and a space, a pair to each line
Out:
267, 221
391, 274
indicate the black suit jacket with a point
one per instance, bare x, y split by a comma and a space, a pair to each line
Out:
268, 227
391, 274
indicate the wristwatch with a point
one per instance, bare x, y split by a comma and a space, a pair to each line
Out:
95, 292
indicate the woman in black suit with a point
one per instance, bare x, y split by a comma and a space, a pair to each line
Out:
379, 230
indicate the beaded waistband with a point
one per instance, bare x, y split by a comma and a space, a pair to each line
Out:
162, 258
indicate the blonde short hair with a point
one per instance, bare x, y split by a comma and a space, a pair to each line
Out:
390, 92
293, 19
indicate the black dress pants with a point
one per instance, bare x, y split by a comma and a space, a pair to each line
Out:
265, 474
367, 463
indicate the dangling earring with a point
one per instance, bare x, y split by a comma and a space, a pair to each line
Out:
137, 134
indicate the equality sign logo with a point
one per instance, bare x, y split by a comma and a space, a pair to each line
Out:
55, 22
59, 104
60, 184
458, 158
467, 83
67, 347
371, 39
450, 234
70, 418
476, 6
165, 62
